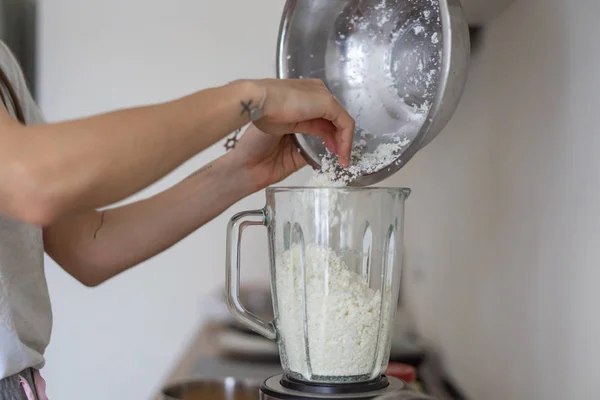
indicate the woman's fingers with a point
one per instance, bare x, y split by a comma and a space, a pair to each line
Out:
336, 140
307, 106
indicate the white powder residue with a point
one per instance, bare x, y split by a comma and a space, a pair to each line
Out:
384, 13
418, 29
343, 316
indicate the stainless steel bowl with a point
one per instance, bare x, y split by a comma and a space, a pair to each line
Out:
398, 66
218, 389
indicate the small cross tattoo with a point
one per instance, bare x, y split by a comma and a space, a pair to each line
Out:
246, 107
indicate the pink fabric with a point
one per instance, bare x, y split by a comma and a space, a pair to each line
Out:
40, 386
26, 388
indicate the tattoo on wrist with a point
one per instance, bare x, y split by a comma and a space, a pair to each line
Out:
254, 113
246, 107
101, 224
232, 140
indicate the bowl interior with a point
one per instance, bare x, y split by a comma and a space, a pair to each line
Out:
380, 58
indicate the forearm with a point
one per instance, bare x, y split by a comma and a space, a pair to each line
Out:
96, 246
93, 162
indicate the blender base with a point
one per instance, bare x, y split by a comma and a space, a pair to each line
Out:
278, 388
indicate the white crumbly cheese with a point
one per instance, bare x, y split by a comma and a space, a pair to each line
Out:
362, 163
344, 316
418, 29
324, 180
411, 77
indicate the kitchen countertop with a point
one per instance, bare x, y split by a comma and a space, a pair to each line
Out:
202, 360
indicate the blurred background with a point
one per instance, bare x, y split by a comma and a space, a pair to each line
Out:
502, 228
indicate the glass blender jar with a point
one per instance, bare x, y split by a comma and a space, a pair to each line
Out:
335, 256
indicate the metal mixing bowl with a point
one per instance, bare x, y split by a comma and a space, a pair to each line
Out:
216, 389
398, 66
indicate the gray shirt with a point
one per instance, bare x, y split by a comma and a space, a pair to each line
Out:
25, 312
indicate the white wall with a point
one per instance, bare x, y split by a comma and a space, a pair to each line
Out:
120, 340
502, 225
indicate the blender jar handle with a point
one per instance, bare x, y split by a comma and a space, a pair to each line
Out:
234, 240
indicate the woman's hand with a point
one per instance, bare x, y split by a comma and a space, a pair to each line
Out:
267, 159
306, 106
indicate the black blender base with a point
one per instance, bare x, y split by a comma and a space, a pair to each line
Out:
279, 387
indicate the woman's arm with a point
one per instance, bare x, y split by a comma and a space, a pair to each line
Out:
95, 246
50, 171
47, 171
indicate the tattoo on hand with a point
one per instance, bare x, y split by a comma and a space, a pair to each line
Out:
101, 224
